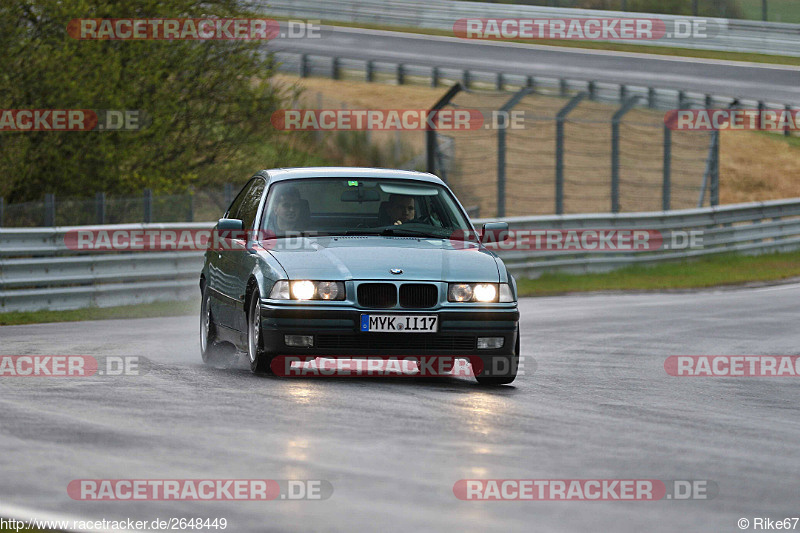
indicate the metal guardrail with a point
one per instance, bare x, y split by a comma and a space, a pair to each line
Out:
38, 270
733, 35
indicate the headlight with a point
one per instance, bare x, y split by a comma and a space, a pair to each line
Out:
307, 290
479, 292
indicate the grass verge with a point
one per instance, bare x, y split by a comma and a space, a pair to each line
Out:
590, 45
721, 270
149, 310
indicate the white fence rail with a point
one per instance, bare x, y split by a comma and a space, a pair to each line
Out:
727, 34
39, 271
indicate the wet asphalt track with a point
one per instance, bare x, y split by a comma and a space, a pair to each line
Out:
599, 405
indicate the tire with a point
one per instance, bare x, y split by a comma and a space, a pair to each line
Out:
259, 359
509, 362
209, 350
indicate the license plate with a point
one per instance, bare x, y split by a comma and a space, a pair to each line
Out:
400, 323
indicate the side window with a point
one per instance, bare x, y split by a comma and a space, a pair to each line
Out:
233, 210
249, 205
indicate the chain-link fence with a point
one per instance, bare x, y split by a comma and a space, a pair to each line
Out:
562, 152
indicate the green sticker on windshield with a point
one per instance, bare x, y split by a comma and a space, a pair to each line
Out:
352, 184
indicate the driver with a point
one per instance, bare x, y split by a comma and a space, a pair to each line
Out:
400, 209
288, 207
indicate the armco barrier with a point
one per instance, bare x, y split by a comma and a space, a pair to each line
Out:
38, 271
734, 35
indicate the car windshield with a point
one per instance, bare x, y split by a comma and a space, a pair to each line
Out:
342, 206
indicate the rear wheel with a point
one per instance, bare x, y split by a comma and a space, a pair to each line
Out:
259, 359
503, 368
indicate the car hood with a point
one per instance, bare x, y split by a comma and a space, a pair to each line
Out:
371, 257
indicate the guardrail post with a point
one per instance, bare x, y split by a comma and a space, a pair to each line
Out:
228, 195
501, 148
709, 101
435, 77
49, 210
615, 121
666, 193
335, 68
369, 71
761, 108
401, 74
561, 116
681, 99
623, 92
100, 207
148, 205
498, 82
430, 134
787, 132
562, 87
651, 97
592, 89
303, 65
530, 81
465, 79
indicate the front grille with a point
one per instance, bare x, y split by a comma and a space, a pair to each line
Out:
377, 295
402, 341
418, 295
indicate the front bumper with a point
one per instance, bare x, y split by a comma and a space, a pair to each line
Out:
337, 333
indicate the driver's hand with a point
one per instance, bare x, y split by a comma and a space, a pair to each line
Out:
398, 222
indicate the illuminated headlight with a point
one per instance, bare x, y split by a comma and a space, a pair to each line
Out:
479, 292
307, 290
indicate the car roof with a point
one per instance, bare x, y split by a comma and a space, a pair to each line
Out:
281, 174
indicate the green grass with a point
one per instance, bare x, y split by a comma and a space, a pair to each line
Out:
721, 270
149, 310
777, 10
617, 47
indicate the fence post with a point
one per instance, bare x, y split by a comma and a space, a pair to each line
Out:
714, 190
335, 68
2, 209
49, 210
190, 207
100, 207
651, 97
761, 108
560, 118
148, 205
430, 134
501, 149
370, 71
764, 10
401, 75
228, 194
303, 65
434, 77
667, 167
694, 7
786, 131
627, 105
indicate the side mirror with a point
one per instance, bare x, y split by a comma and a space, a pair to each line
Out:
230, 224
494, 232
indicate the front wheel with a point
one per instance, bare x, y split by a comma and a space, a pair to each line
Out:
259, 359
212, 351
503, 369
